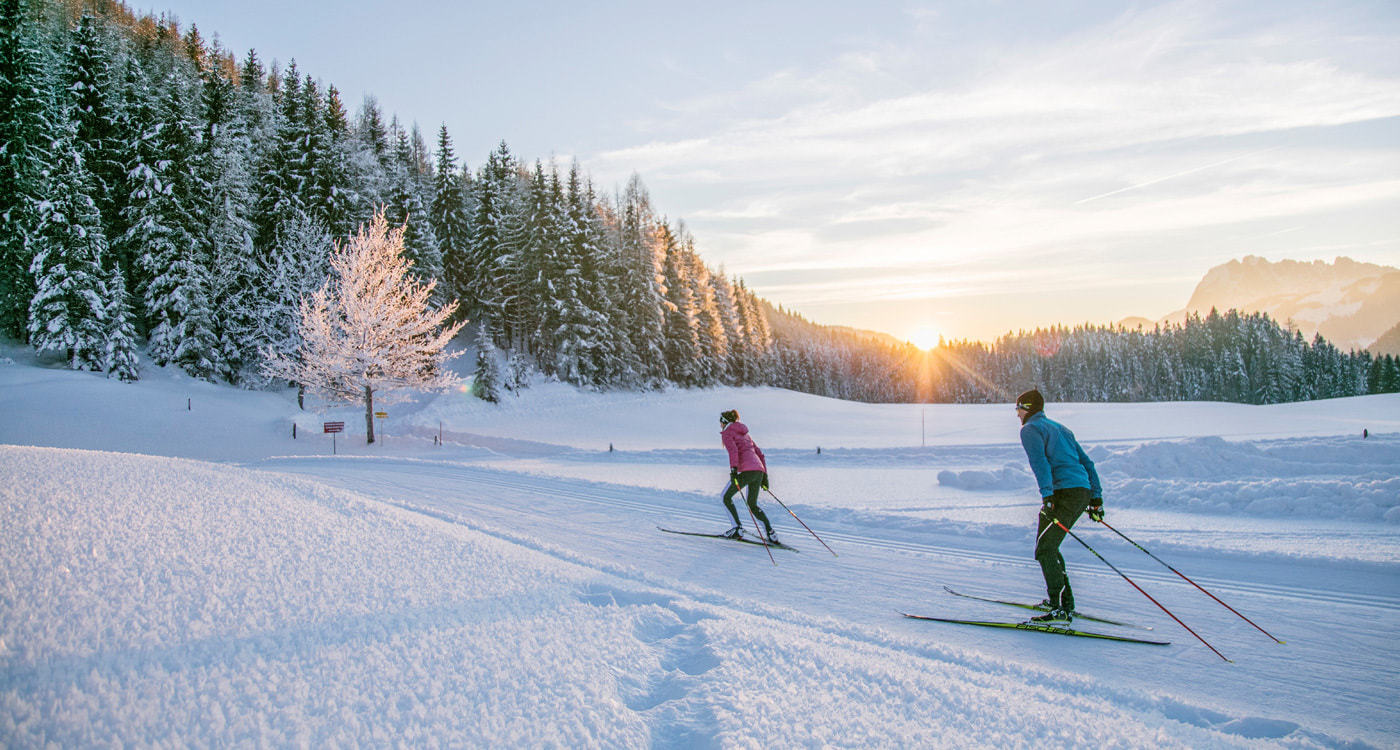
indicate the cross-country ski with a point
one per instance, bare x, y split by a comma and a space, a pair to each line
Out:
742, 539
1039, 628
1043, 608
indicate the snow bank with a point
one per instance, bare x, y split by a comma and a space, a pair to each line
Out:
1339, 478
1213, 458
1344, 478
1006, 478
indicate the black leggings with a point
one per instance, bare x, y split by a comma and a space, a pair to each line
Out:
1068, 505
752, 480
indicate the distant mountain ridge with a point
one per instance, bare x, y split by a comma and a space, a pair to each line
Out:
1351, 304
1388, 343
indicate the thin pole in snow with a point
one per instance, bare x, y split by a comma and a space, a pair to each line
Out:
1188, 580
804, 523
1056, 521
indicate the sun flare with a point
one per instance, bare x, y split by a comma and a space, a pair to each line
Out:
925, 337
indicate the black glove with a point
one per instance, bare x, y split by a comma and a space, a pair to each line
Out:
1047, 505
765, 480
733, 475
1096, 509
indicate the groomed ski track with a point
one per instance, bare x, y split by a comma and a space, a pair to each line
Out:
611, 529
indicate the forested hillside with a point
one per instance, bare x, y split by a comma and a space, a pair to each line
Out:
167, 198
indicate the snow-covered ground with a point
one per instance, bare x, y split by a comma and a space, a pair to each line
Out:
176, 569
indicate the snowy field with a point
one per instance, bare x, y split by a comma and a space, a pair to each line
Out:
176, 569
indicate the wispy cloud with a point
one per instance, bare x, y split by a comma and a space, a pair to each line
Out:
1173, 120
1160, 180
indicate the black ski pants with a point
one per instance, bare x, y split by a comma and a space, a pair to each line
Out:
753, 482
1066, 506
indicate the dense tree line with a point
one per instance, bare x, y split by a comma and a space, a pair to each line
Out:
1239, 357
159, 190
160, 194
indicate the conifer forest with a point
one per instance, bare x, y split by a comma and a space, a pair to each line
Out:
169, 201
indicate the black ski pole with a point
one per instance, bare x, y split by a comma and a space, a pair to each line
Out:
1056, 521
804, 524
1188, 580
756, 529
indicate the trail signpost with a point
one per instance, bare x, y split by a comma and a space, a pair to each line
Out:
332, 428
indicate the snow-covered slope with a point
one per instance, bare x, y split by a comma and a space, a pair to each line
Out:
509, 587
236, 608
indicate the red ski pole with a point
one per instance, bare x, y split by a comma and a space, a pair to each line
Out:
1139, 588
1188, 580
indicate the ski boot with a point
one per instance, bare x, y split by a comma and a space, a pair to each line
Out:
734, 533
1056, 616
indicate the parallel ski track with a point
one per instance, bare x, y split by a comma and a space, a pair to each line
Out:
460, 476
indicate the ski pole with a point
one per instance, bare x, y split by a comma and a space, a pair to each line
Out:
1056, 521
804, 524
756, 529
1188, 580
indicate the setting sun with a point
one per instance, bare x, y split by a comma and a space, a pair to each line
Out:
925, 337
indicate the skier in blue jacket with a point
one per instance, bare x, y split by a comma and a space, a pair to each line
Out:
1068, 485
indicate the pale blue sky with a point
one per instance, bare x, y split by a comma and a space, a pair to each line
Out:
960, 168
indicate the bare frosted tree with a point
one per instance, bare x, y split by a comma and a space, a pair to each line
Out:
370, 328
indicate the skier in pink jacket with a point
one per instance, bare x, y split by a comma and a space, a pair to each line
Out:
747, 470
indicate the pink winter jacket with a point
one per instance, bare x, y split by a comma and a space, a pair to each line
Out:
743, 454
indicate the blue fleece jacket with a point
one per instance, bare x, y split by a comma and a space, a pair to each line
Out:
1056, 458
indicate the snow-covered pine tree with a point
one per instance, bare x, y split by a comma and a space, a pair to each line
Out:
195, 50
168, 244
371, 131
370, 159
615, 358
486, 377
421, 158
254, 99
623, 368
447, 214
334, 194
714, 346
297, 265
370, 329
26, 132
733, 329
497, 235
91, 84
284, 176
582, 335
222, 169
682, 342
517, 375
757, 337
68, 311
641, 305
121, 359
406, 208
538, 267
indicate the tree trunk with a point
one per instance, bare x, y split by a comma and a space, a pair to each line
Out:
369, 415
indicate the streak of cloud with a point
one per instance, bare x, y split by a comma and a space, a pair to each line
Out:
1160, 180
